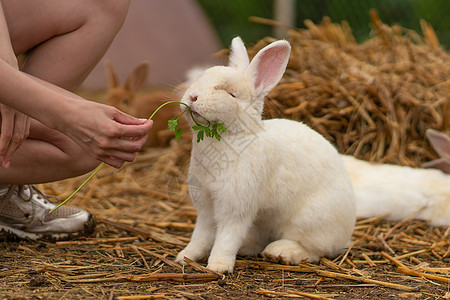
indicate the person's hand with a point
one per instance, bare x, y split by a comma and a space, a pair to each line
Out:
108, 134
14, 129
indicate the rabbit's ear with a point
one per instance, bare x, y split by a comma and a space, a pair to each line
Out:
111, 75
267, 67
441, 164
238, 56
440, 142
137, 77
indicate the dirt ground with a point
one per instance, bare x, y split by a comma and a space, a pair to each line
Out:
145, 218
115, 269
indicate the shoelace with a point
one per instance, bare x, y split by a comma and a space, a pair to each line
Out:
32, 191
11, 191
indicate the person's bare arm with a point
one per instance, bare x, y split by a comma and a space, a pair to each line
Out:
14, 126
102, 130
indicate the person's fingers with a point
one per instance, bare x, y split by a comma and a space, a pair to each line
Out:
113, 162
123, 118
21, 131
129, 126
108, 134
131, 131
116, 152
118, 159
122, 147
6, 133
133, 144
28, 126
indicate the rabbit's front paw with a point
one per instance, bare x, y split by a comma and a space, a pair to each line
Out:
185, 253
288, 252
180, 258
193, 251
221, 266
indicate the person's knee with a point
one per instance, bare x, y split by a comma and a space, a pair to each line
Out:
114, 12
80, 162
72, 157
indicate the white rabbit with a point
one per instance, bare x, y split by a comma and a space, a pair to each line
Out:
402, 191
274, 186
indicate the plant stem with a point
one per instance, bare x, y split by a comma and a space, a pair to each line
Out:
188, 108
103, 164
79, 188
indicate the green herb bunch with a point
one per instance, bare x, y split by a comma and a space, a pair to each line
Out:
203, 131
207, 130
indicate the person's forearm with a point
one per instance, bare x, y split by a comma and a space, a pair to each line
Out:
23, 92
29, 95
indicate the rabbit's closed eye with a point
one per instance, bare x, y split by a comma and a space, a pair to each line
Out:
231, 94
227, 89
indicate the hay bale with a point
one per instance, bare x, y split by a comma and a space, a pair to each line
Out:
374, 100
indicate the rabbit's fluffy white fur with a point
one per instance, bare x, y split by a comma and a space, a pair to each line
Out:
399, 191
274, 187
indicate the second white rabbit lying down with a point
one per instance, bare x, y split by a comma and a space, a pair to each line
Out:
399, 191
274, 187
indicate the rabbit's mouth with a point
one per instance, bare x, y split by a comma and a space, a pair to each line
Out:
197, 116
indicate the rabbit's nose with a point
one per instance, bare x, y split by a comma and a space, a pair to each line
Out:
194, 98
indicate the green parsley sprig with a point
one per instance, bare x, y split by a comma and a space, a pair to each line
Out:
207, 130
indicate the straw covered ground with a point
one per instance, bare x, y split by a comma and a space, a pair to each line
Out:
374, 100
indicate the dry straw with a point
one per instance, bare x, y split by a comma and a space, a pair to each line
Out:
374, 100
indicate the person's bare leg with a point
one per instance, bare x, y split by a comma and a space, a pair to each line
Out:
66, 39
46, 155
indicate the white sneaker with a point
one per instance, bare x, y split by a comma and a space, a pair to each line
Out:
25, 213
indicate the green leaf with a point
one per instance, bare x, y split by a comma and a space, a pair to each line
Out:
216, 128
198, 127
220, 127
172, 124
200, 136
178, 133
216, 135
207, 131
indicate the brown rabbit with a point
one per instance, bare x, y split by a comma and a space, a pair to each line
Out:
125, 98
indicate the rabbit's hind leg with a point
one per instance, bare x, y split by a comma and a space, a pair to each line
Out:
254, 242
288, 252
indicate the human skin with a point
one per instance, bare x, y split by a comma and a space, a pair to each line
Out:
47, 132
